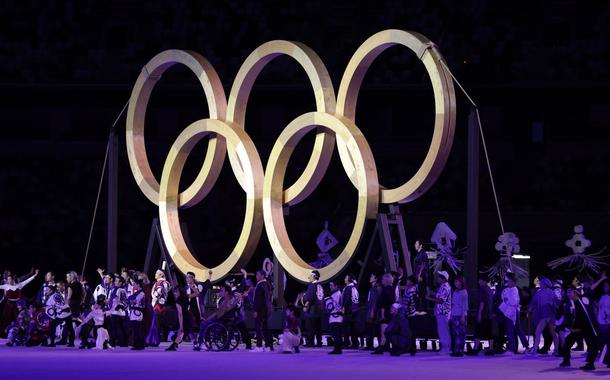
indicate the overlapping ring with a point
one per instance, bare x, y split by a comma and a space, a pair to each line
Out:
334, 120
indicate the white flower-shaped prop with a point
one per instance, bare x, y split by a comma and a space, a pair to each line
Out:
507, 245
579, 260
444, 239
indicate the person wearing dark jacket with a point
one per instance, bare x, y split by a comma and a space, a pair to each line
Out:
579, 320
398, 332
195, 292
312, 307
350, 298
421, 268
262, 310
335, 316
386, 299
372, 313
49, 279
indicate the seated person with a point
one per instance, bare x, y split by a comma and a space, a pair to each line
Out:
18, 329
228, 311
97, 315
39, 327
291, 338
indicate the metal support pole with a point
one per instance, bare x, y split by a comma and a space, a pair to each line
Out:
472, 214
113, 179
278, 282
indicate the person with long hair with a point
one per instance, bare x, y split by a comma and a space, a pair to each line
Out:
291, 337
12, 294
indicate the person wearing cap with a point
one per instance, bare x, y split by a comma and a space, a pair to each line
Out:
442, 310
484, 311
312, 305
398, 332
544, 306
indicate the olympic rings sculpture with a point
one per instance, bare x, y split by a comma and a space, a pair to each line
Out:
334, 122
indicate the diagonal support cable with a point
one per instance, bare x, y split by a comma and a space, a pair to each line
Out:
99, 189
476, 109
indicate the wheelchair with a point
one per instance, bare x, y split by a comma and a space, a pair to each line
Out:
221, 336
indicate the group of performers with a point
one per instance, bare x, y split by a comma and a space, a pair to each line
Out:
126, 309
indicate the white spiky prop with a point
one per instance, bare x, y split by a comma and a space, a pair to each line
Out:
507, 245
444, 238
579, 260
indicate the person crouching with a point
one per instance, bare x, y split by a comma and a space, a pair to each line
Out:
398, 333
291, 338
97, 315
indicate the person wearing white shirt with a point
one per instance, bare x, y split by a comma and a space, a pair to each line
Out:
335, 316
119, 323
510, 309
12, 294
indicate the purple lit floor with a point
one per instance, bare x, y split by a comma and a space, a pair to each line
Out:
63, 363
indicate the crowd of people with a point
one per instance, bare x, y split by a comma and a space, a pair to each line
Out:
128, 310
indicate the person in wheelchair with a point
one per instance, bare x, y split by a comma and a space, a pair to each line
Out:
227, 314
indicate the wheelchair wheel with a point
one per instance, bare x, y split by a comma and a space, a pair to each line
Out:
234, 339
216, 337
